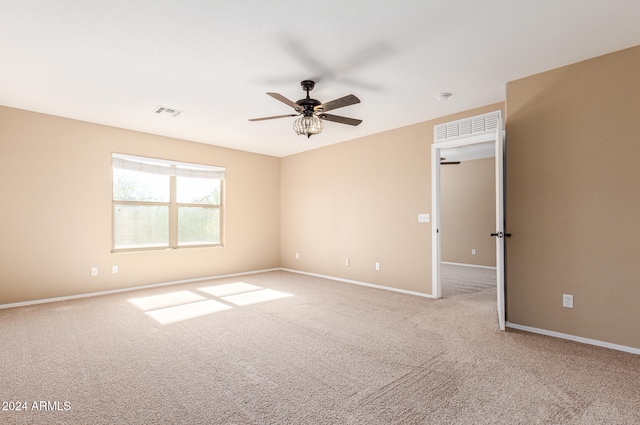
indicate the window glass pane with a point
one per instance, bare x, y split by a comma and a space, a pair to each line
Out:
198, 225
192, 190
140, 226
138, 186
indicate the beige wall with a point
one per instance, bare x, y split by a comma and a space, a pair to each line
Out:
360, 200
573, 199
56, 209
468, 212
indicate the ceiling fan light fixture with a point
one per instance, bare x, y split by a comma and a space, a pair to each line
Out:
308, 125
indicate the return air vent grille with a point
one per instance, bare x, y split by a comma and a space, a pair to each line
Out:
480, 124
163, 110
440, 132
452, 130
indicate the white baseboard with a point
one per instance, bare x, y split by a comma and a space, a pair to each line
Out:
469, 265
356, 282
574, 338
129, 289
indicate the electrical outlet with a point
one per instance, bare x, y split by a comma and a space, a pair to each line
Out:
114, 269
567, 300
377, 266
94, 271
473, 251
346, 262
297, 256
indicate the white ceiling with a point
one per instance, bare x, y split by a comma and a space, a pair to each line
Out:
114, 61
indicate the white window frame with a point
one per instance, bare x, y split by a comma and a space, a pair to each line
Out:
173, 169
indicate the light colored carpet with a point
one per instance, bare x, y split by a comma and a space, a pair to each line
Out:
331, 353
459, 280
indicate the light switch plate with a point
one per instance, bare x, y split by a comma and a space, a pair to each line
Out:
423, 218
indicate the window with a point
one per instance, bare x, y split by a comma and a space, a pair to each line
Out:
159, 204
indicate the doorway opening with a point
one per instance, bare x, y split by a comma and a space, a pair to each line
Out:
467, 218
465, 148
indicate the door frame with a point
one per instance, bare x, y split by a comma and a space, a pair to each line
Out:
498, 139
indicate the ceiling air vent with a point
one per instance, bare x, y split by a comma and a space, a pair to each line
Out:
163, 110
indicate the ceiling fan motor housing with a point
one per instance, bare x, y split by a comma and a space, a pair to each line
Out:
307, 103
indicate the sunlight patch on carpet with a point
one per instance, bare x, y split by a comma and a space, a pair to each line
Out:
255, 297
229, 289
154, 302
186, 311
182, 305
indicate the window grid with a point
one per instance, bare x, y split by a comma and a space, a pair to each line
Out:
173, 225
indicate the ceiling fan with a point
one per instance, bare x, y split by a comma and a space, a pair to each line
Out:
444, 162
313, 111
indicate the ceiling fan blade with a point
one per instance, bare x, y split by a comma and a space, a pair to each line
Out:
338, 103
339, 119
283, 99
273, 118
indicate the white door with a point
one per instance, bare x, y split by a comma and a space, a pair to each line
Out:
436, 288
500, 234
